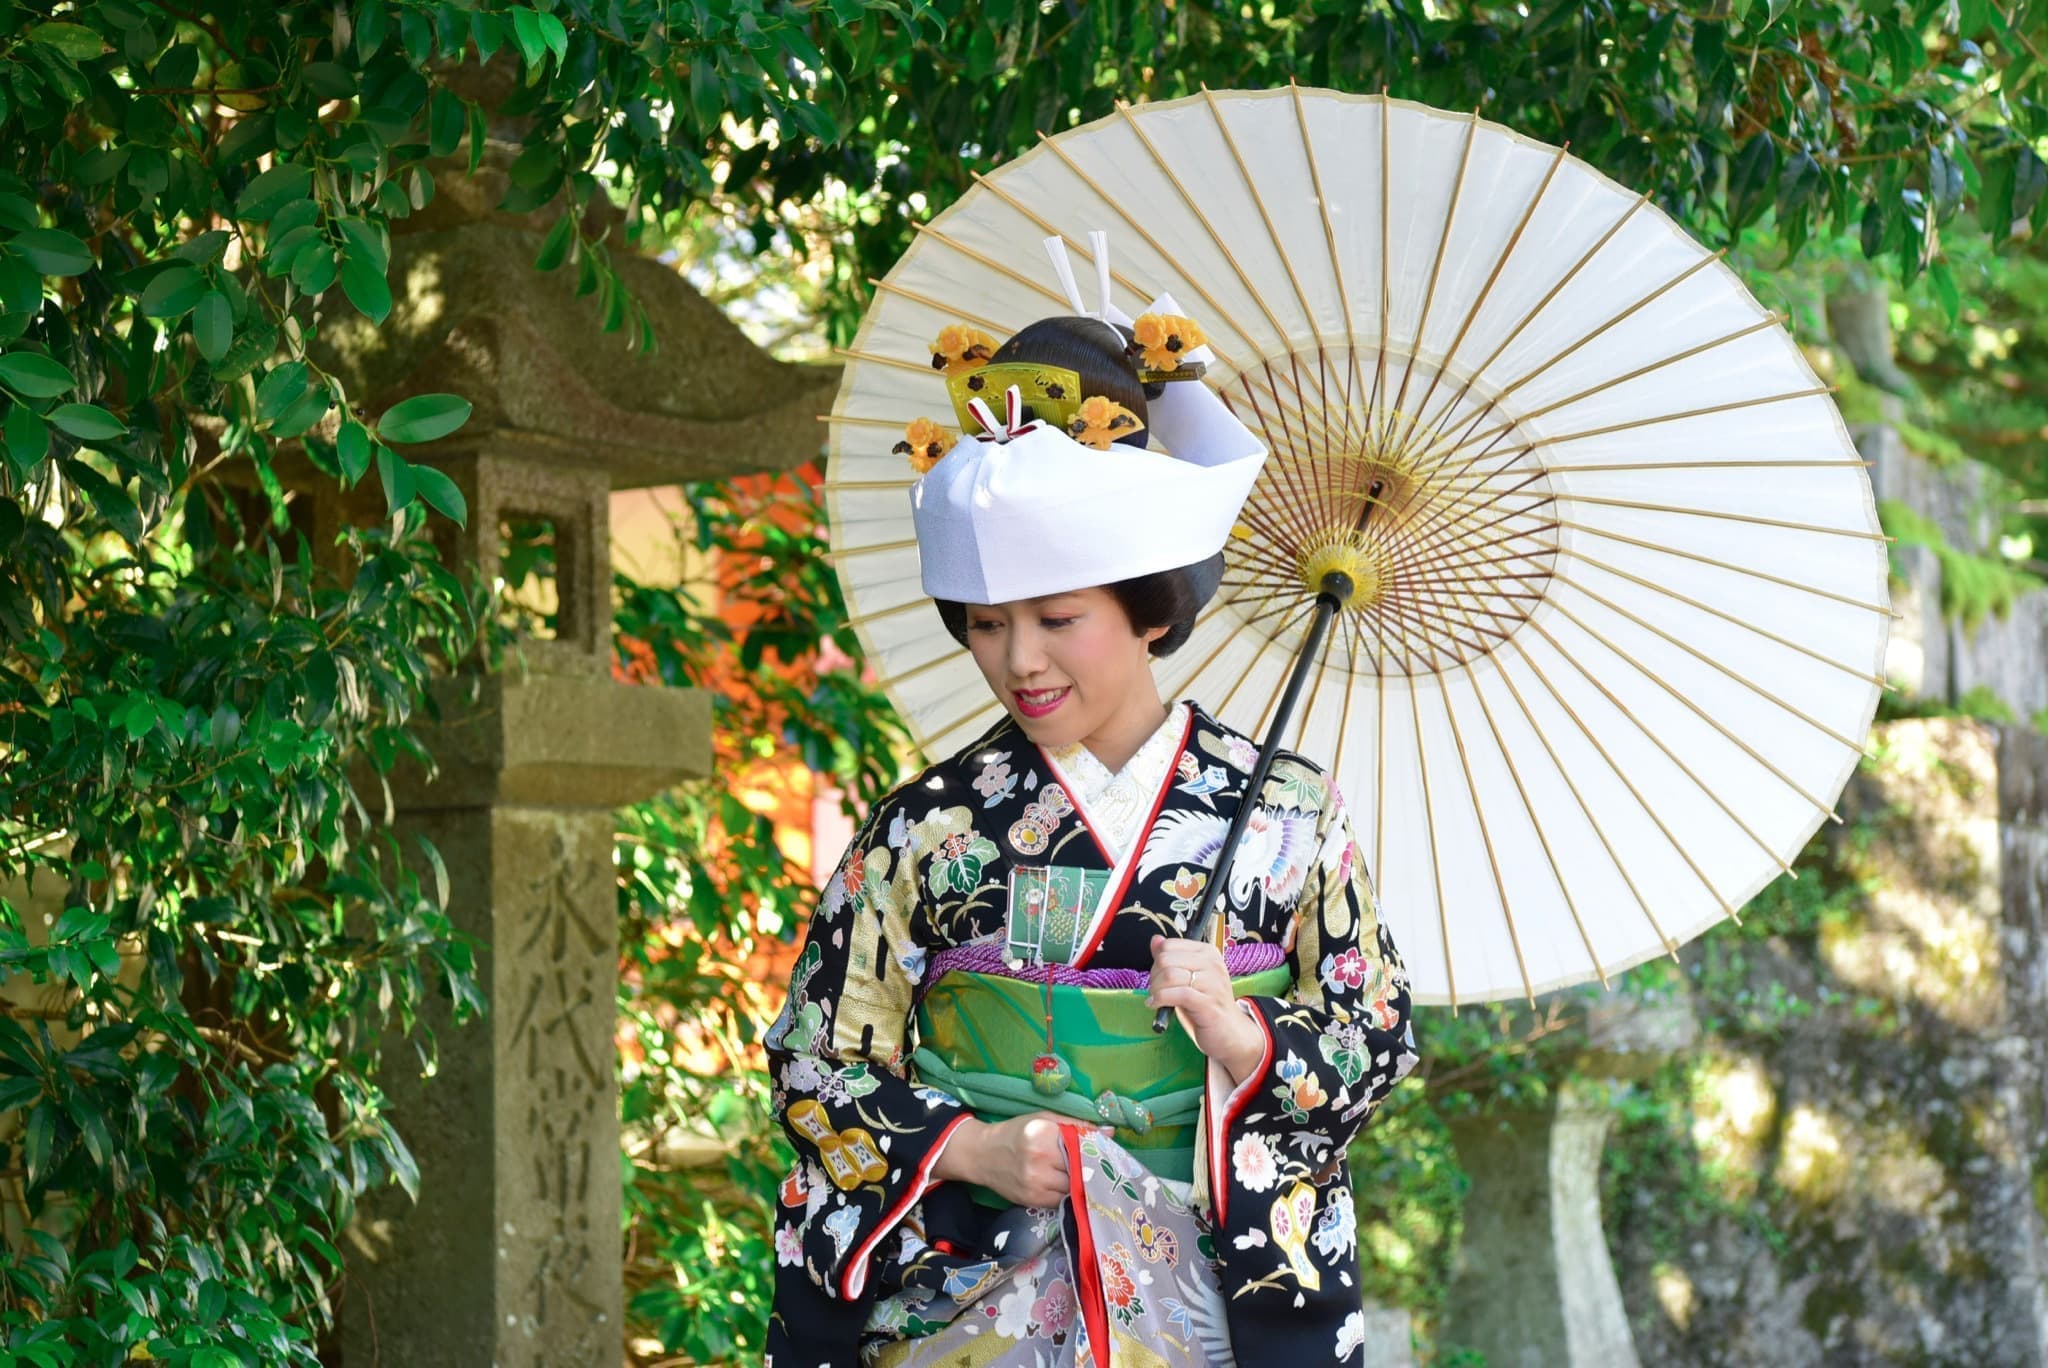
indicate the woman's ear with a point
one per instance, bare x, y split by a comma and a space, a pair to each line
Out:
1152, 634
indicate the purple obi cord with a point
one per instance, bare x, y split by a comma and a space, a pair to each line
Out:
986, 957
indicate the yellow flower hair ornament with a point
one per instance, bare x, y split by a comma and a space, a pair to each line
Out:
960, 348
1101, 420
1162, 340
924, 441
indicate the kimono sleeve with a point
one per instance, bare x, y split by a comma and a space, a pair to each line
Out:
866, 1138
1335, 1045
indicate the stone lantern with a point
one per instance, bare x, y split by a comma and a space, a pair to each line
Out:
512, 1254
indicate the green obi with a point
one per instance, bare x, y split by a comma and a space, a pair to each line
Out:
979, 1034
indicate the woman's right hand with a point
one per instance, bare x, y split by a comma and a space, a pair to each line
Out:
1023, 1159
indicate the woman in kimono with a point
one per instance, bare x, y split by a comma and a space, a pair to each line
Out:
998, 1161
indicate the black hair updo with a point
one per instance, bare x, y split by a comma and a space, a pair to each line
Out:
1091, 349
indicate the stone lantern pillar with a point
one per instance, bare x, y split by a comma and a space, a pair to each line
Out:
1534, 1286
512, 1255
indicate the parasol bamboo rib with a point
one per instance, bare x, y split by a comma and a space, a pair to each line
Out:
1500, 885
849, 552
1344, 717
1634, 792
1480, 300
949, 658
1305, 496
1379, 376
1529, 715
1336, 263
1436, 266
1299, 611
1299, 509
876, 358
1542, 837
1251, 187
1764, 632
950, 310
1637, 504
1436, 868
1044, 226
1217, 310
974, 714
1762, 324
1509, 455
1664, 684
1669, 754
1612, 321
1123, 110
1751, 571
1748, 683
863, 619
1438, 428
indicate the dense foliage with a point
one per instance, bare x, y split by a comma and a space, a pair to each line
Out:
706, 888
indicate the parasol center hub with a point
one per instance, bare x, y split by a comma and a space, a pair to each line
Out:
1344, 563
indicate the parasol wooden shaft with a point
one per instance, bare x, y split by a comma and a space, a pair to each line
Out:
1335, 590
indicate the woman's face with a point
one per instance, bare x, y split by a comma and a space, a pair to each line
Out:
1068, 667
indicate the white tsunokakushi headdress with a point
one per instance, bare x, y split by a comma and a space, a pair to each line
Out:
1022, 509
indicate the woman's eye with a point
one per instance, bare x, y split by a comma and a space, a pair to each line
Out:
985, 625
1057, 622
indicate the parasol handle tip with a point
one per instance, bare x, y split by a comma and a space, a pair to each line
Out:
1337, 586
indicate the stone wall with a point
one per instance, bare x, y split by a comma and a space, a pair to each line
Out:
1931, 659
1877, 1159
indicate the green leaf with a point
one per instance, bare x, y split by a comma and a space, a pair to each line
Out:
329, 80
21, 286
353, 448
315, 268
373, 22
423, 418
555, 246
88, 422
366, 288
526, 32
280, 390
41, 1133
28, 438
360, 238
172, 293
1750, 180
440, 492
555, 36
34, 375
206, 249
2029, 183
18, 212
273, 190
252, 347
446, 119
110, 499
403, 1168
213, 325
1943, 280
75, 41
53, 251
396, 476
477, 134
707, 101
303, 414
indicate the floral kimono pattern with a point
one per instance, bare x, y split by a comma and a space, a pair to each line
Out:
864, 1234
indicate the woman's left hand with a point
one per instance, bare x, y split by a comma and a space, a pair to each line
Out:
1189, 976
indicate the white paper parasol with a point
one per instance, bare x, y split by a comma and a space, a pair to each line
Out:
1627, 608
